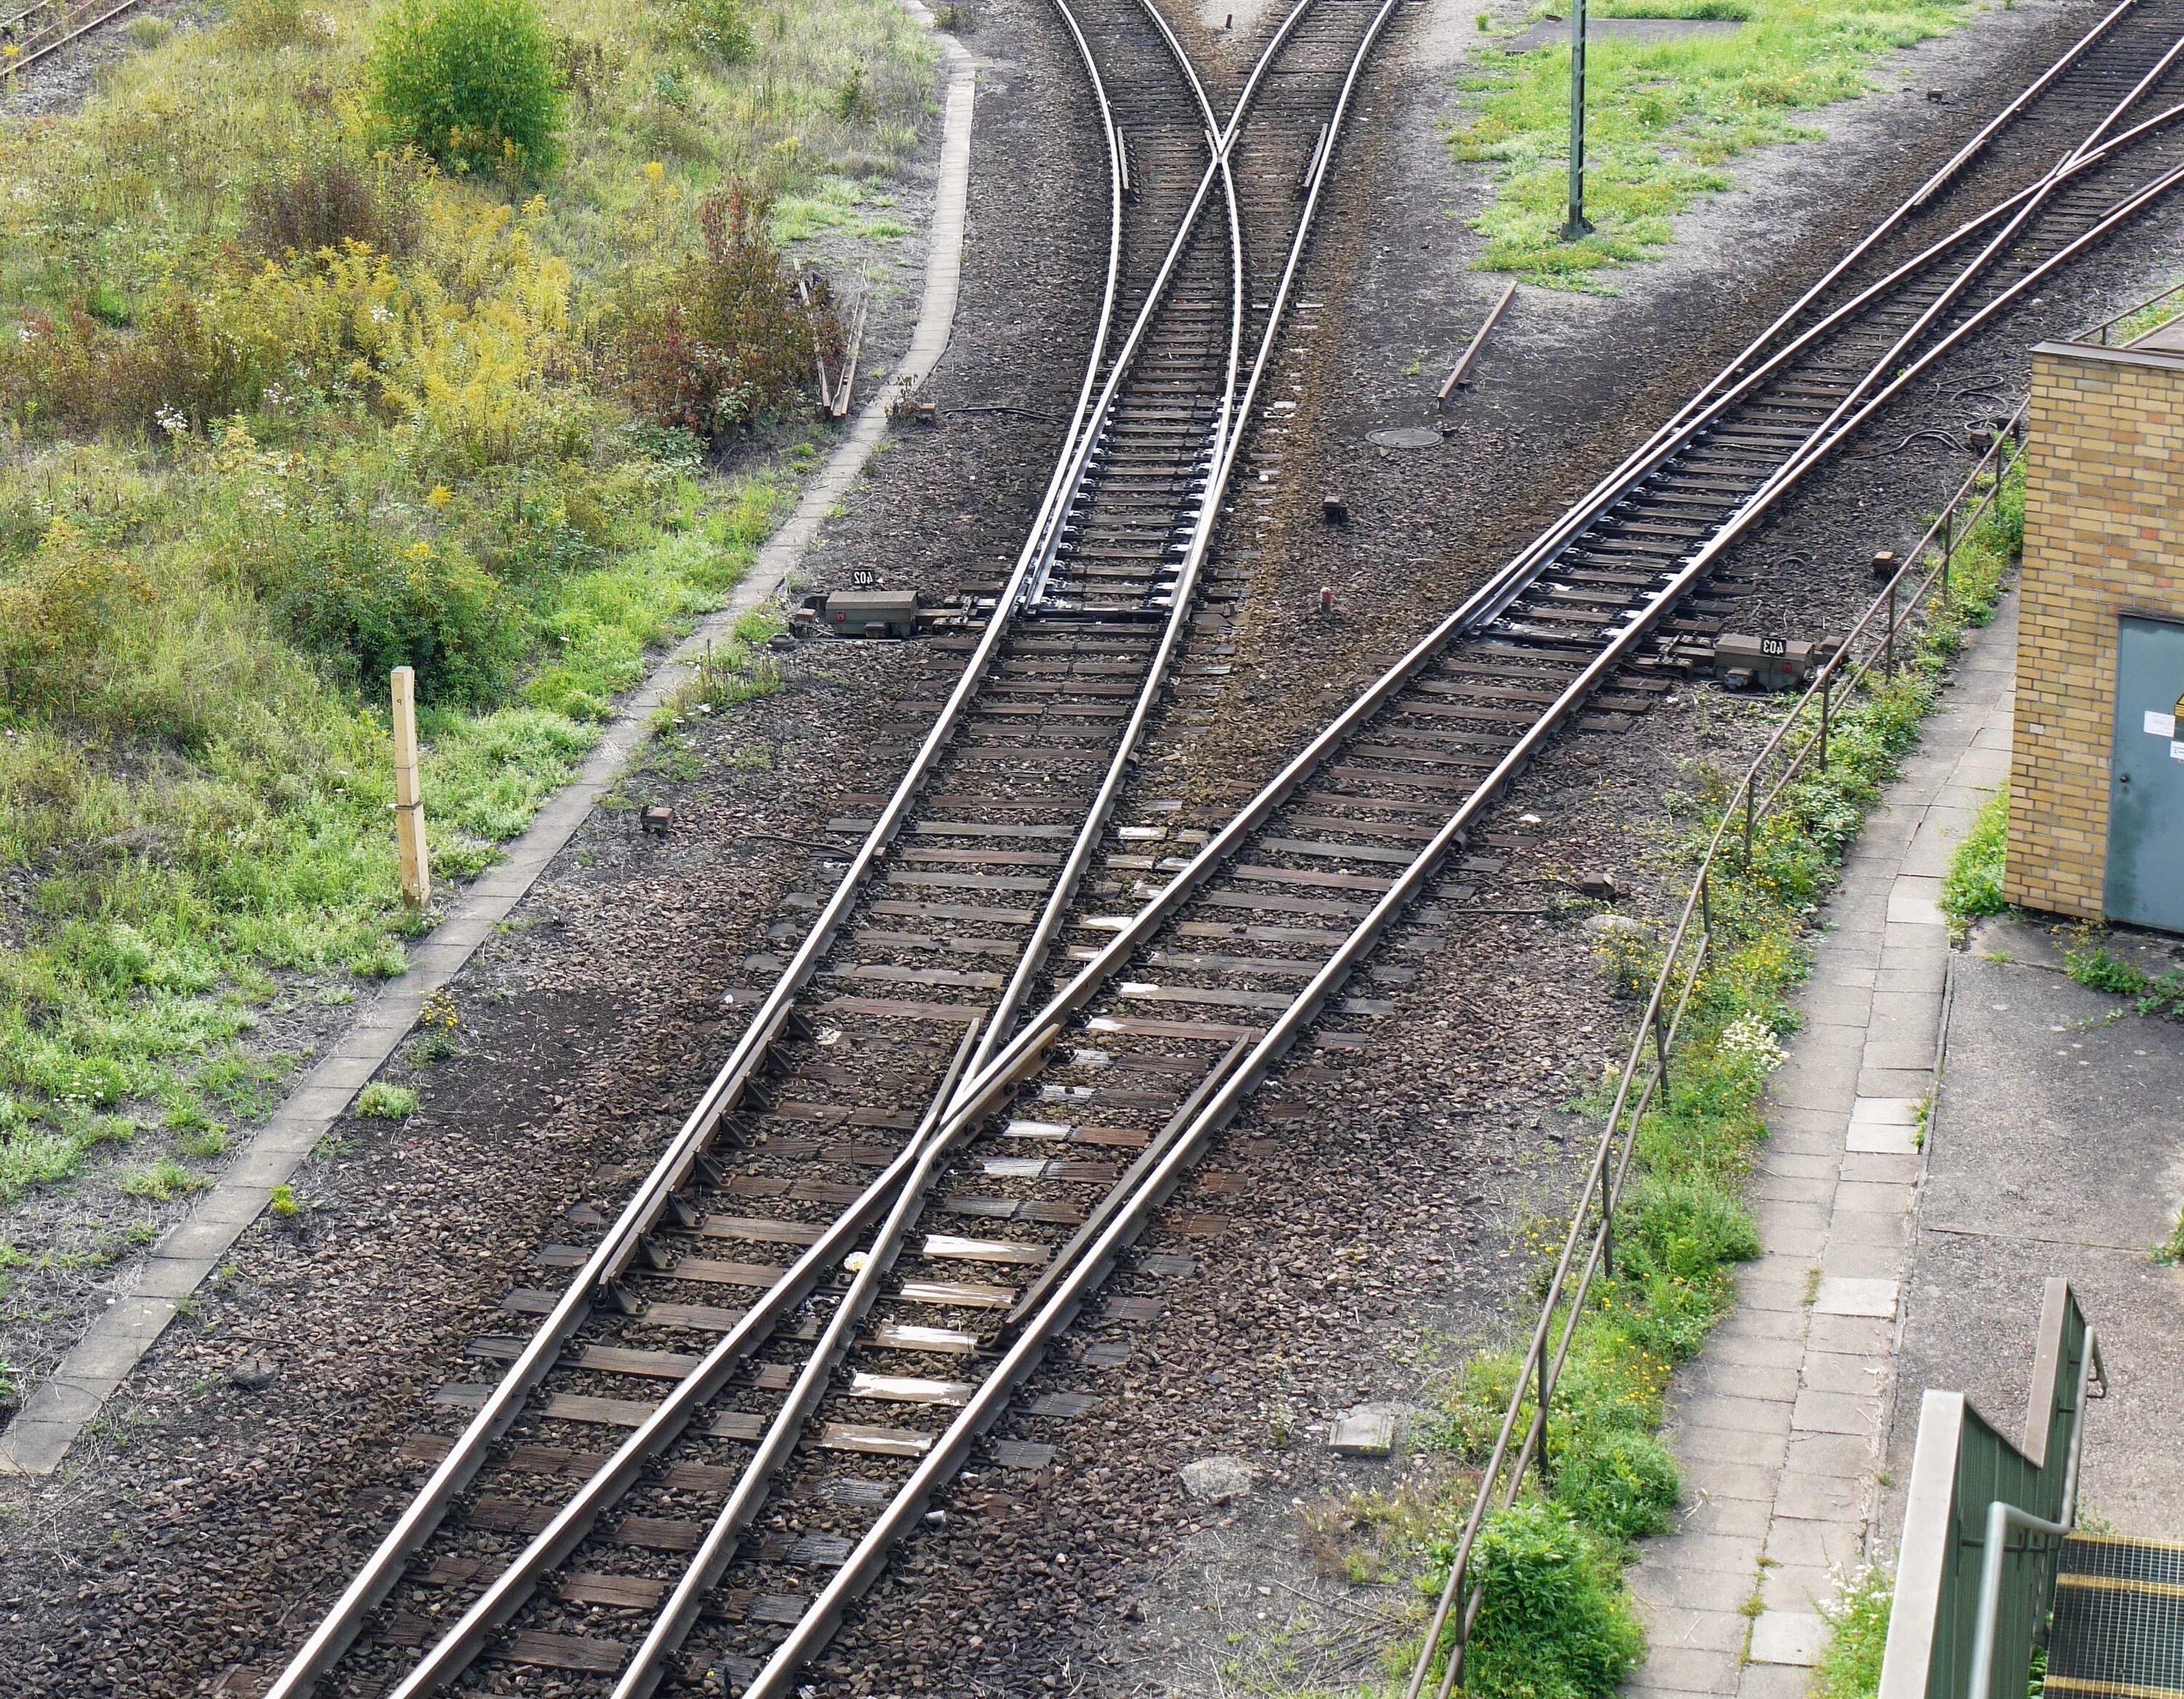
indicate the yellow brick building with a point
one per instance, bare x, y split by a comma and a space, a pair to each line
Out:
2103, 568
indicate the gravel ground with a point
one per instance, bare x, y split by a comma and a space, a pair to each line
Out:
1385, 1202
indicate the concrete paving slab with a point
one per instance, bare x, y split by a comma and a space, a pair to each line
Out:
1844, 1187
1841, 1296
1669, 1625
1685, 1669
2053, 1154
1792, 1637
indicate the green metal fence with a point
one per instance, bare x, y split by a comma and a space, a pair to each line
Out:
1984, 1523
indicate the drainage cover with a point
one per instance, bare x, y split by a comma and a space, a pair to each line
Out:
1406, 436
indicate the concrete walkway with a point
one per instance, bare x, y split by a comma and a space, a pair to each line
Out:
2057, 1148
38, 1438
1779, 1424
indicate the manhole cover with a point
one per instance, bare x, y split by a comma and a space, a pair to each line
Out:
1406, 436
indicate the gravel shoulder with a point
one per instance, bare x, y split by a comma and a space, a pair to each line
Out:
1386, 1201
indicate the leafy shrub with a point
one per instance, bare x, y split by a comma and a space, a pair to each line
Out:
470, 82
1553, 1623
719, 29
385, 1102
56, 614
323, 197
1622, 1484
727, 336
1973, 885
349, 594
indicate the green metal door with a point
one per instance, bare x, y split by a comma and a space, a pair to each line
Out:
2145, 882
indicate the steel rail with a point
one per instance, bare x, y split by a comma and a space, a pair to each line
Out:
1483, 605
1234, 418
507, 1594
80, 29
428, 1508
674, 1620
668, 1173
2031, 203
1706, 400
1793, 470
458, 1647
2025, 97
1693, 420
1616, 1125
1079, 461
1085, 1258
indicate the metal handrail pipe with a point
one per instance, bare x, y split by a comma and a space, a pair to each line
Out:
1748, 514
2002, 1516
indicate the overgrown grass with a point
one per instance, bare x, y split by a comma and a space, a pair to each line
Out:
1661, 118
1682, 1225
2094, 965
1858, 1635
285, 408
1973, 885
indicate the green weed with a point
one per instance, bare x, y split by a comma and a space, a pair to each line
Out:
1661, 118
1973, 885
2093, 965
1858, 1634
292, 404
384, 1102
163, 1181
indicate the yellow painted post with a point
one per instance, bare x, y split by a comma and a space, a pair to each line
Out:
409, 805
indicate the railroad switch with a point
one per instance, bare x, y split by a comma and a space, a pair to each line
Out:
1758, 663
866, 612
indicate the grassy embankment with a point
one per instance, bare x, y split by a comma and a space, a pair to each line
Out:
289, 402
1662, 120
1555, 1620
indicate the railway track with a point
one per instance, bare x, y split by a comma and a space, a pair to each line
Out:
1011, 1029
29, 33
789, 1384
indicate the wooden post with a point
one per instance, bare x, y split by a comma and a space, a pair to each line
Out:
409, 805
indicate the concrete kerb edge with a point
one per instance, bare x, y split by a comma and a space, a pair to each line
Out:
1796, 1493
37, 1440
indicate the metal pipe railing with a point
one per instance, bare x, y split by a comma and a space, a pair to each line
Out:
1879, 631
2103, 329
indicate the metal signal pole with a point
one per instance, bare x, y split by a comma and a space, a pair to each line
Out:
1575, 224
